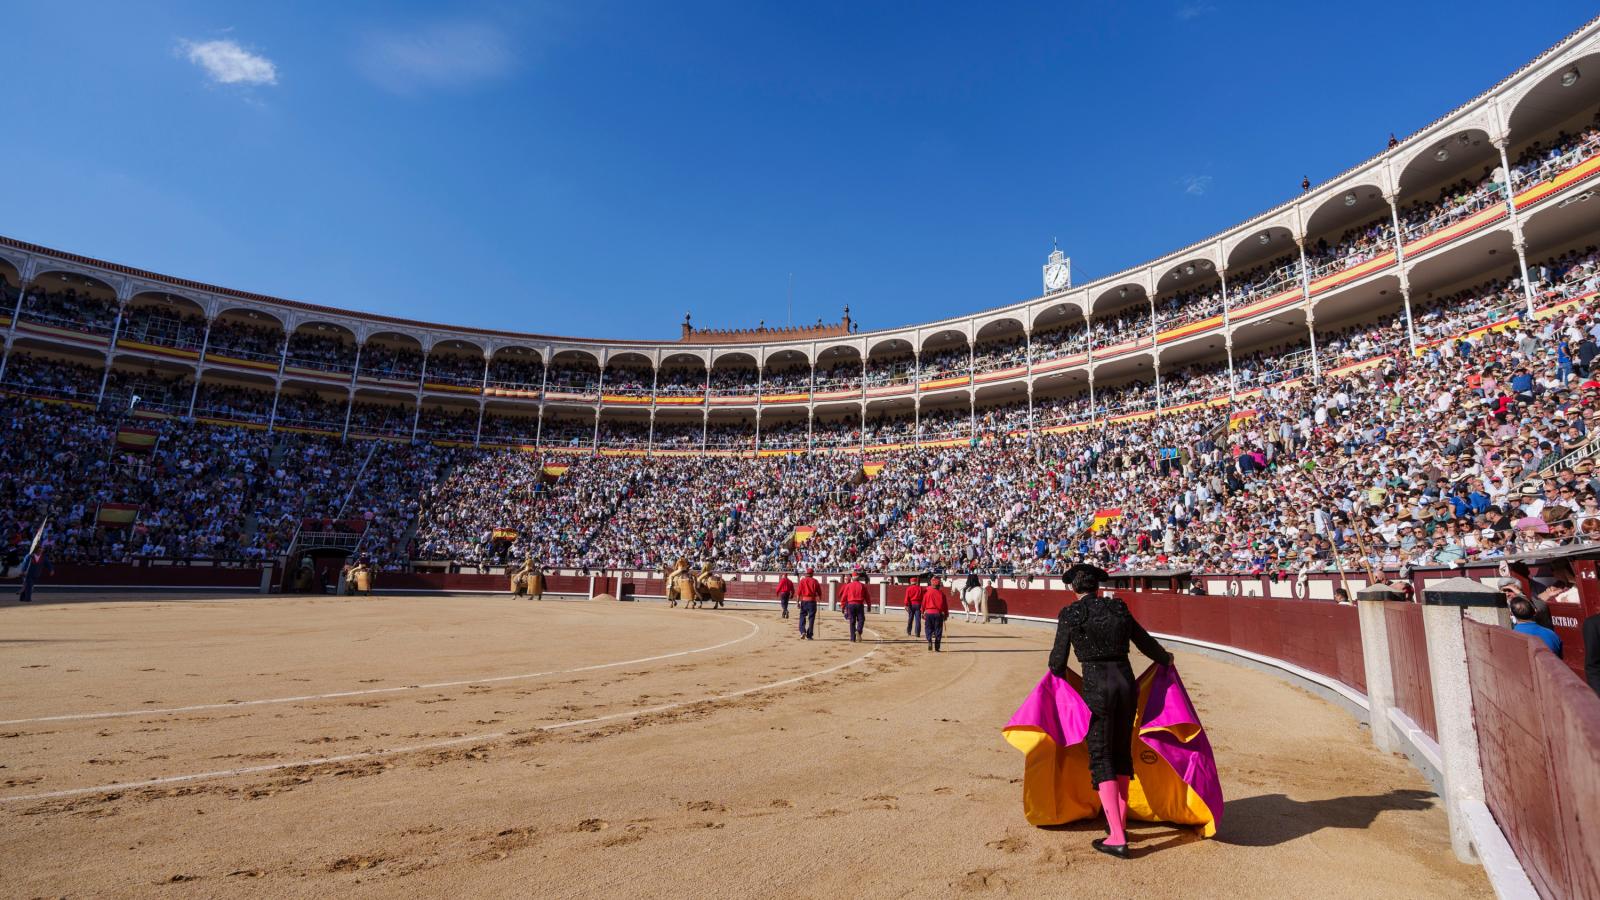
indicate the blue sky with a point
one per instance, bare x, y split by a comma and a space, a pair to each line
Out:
599, 168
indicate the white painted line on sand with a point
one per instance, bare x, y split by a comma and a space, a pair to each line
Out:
235, 704
434, 745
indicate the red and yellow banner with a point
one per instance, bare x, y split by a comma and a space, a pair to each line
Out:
222, 359
1377, 263
1181, 331
1240, 417
452, 388
142, 347
872, 467
1105, 516
1450, 232
116, 515
802, 533
141, 440
503, 534
1545, 188
954, 381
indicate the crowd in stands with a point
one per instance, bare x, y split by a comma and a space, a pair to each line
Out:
577, 379
326, 352
1422, 461
30, 374
1477, 448
241, 340
516, 374
69, 308
163, 325
455, 368
1001, 354
396, 363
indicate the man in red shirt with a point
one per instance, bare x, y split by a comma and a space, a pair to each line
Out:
785, 591
808, 590
935, 609
914, 607
853, 597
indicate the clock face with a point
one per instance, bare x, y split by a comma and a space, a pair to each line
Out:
1055, 277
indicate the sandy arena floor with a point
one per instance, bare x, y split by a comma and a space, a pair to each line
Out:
491, 747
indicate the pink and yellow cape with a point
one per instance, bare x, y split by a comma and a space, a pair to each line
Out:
1174, 772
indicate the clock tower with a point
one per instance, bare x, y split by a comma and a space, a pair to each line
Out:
1057, 271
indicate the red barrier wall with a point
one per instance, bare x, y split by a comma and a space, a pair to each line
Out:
1538, 729
462, 581
1320, 636
1408, 663
134, 575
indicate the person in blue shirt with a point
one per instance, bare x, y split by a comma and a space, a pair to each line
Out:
1477, 501
1522, 614
1522, 384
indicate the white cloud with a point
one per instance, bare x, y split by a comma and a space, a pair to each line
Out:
442, 55
1195, 185
225, 62
1191, 11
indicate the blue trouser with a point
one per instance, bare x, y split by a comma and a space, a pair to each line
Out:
26, 594
935, 628
783, 601
856, 615
914, 619
808, 617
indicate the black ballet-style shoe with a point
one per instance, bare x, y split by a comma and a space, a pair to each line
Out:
1120, 851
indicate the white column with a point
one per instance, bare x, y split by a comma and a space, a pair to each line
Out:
1516, 228
416, 417
1405, 275
277, 383
111, 349
205, 344
1227, 327
1311, 329
1305, 298
16, 311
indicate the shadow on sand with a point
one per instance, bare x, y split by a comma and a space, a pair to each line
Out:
1268, 820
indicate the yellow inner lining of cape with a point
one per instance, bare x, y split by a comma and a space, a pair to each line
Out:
1056, 786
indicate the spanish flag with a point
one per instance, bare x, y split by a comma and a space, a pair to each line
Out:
555, 470
116, 515
139, 440
872, 467
1103, 517
802, 533
1239, 417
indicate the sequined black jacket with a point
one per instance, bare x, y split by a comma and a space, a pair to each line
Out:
1099, 629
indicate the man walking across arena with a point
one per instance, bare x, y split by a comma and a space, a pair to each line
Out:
935, 609
914, 607
808, 591
785, 591
853, 597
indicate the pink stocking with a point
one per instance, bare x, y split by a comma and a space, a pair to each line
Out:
1122, 797
1111, 802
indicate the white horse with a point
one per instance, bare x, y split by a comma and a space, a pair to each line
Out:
972, 604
